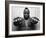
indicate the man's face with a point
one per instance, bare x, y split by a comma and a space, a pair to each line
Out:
26, 14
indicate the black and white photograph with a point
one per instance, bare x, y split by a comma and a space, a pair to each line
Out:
25, 18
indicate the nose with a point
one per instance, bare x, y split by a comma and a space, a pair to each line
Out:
26, 14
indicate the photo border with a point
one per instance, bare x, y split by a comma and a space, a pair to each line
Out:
7, 18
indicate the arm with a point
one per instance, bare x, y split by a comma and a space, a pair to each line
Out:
35, 20
17, 21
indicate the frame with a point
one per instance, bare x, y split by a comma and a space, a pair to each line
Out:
7, 18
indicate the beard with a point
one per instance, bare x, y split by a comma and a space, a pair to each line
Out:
26, 17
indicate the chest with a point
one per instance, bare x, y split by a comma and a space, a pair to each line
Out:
26, 23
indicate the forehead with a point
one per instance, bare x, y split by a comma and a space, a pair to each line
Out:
26, 11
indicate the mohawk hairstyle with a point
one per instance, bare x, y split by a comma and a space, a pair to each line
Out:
26, 8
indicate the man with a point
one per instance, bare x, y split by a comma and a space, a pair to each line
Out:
26, 23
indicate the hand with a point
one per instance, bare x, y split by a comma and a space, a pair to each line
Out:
17, 21
35, 20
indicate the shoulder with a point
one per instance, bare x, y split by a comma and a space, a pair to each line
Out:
18, 19
34, 20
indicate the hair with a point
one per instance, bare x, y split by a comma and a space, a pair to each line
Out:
26, 9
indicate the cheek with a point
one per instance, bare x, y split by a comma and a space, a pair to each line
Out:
26, 15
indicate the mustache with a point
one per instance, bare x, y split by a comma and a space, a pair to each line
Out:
26, 17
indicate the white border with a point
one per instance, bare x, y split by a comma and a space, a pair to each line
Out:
25, 32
